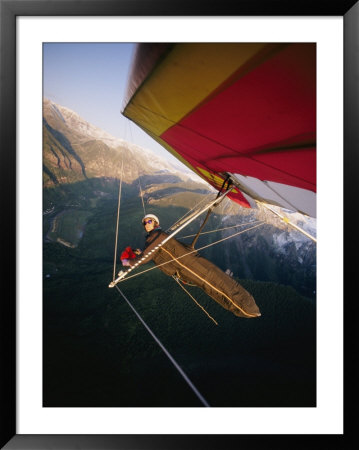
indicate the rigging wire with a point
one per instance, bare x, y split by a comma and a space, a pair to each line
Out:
220, 199
141, 195
139, 174
118, 217
187, 214
200, 306
219, 229
209, 212
287, 221
176, 365
122, 274
193, 251
169, 356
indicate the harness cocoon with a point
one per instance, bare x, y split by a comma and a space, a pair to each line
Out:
197, 270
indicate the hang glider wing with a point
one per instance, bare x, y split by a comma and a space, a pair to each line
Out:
243, 109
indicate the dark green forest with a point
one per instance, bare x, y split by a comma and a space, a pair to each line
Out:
96, 353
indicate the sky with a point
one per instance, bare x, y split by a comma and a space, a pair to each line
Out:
91, 79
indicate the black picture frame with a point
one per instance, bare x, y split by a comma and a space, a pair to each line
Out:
9, 10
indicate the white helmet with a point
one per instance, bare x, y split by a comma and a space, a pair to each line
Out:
151, 216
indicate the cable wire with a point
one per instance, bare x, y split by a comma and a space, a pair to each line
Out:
219, 229
118, 217
191, 296
141, 195
189, 253
167, 353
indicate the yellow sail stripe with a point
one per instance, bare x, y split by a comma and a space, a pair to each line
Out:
209, 284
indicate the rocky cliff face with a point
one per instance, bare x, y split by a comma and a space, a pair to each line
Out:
75, 150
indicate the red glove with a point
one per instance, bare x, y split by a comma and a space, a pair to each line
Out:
128, 253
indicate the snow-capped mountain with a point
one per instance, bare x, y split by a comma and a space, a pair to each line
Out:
78, 124
82, 135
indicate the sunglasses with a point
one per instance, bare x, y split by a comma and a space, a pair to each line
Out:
148, 221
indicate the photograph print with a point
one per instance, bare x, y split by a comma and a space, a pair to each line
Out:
179, 224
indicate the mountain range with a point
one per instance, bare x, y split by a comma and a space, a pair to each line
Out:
82, 165
75, 150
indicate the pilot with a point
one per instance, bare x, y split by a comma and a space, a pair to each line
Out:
180, 260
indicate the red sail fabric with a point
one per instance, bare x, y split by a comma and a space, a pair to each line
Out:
250, 113
269, 135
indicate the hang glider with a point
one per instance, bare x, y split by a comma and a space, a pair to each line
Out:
244, 110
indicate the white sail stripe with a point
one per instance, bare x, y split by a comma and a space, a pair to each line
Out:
274, 193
